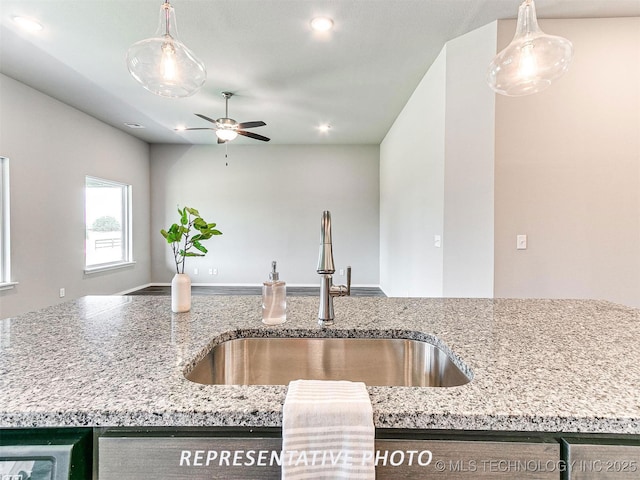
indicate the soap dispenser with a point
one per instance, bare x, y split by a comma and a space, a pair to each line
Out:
274, 299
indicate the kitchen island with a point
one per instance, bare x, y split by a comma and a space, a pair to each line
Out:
119, 361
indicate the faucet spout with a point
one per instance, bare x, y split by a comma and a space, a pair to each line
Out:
326, 268
325, 258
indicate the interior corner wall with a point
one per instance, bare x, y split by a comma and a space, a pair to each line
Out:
469, 166
412, 191
51, 148
268, 202
568, 171
436, 179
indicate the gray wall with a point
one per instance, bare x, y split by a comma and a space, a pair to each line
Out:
437, 179
51, 148
568, 171
268, 202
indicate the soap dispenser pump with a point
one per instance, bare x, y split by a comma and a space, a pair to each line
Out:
274, 299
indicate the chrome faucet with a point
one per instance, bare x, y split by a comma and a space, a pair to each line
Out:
326, 268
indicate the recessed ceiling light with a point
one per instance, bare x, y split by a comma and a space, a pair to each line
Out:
27, 24
324, 128
322, 24
134, 125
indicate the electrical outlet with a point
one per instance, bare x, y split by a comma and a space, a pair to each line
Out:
62, 293
211, 271
342, 271
215, 271
437, 241
195, 271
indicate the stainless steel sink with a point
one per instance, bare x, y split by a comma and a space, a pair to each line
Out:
374, 361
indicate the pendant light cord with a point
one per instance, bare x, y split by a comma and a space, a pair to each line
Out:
167, 16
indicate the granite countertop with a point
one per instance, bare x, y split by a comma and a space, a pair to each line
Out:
537, 365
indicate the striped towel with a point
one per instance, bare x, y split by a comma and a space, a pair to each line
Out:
327, 431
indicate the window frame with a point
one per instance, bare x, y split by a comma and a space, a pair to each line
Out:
127, 227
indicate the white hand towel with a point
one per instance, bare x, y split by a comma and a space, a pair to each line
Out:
327, 431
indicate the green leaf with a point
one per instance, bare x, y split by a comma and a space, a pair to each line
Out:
173, 235
216, 232
200, 247
184, 219
199, 223
192, 211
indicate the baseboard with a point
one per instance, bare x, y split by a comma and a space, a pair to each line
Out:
199, 284
135, 289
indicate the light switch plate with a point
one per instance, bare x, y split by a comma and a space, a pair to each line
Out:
521, 242
437, 241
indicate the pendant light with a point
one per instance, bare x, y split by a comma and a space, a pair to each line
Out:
163, 64
532, 60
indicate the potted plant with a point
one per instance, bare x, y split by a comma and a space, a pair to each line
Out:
183, 242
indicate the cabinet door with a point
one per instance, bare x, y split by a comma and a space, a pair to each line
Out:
453, 459
195, 458
586, 461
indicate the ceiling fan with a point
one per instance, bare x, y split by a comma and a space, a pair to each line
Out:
227, 128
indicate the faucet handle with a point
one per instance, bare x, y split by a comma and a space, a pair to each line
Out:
348, 281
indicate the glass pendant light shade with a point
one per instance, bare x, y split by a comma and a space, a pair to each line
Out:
532, 60
163, 64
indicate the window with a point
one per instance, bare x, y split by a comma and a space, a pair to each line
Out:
5, 248
107, 224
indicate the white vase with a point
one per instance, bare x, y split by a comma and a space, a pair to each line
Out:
180, 293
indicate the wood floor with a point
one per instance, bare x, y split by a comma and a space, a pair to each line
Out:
292, 291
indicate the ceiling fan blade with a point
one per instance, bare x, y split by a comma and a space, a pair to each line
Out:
195, 128
204, 117
253, 135
259, 123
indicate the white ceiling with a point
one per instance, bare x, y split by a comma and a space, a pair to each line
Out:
357, 78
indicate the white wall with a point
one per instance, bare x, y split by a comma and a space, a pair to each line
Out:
436, 178
268, 202
51, 148
568, 171
412, 191
468, 173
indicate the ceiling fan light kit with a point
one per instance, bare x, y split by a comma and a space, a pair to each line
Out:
533, 59
226, 135
163, 64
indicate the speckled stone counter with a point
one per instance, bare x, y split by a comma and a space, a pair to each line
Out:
537, 365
